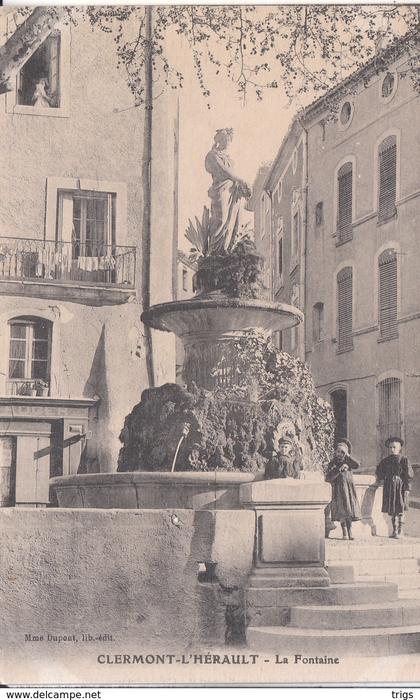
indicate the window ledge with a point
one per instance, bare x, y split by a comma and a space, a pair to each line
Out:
341, 351
340, 242
389, 337
60, 112
386, 219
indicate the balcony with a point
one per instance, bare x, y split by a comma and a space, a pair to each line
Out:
27, 387
82, 272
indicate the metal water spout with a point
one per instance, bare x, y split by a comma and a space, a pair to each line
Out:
185, 431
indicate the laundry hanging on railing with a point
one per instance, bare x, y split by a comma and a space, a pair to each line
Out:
91, 263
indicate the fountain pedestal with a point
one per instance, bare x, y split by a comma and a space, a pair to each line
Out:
289, 543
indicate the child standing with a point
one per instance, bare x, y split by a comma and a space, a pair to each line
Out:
283, 463
344, 503
395, 472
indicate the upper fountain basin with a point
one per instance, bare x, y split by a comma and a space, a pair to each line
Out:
220, 314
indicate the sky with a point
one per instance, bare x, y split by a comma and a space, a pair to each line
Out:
258, 127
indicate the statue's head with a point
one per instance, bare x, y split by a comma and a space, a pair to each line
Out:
223, 137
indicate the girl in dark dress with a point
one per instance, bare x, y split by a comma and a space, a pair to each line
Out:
344, 504
395, 473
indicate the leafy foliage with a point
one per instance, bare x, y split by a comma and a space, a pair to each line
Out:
198, 235
232, 429
304, 49
238, 274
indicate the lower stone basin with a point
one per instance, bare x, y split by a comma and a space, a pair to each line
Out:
215, 490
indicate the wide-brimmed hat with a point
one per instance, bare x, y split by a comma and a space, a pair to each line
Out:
394, 439
343, 441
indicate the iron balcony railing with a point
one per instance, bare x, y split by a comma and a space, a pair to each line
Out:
27, 387
58, 261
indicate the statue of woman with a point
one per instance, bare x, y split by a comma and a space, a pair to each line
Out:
228, 194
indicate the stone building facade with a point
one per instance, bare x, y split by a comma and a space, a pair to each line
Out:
73, 355
359, 282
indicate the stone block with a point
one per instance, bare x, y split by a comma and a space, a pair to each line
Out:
267, 616
340, 573
225, 537
290, 536
290, 520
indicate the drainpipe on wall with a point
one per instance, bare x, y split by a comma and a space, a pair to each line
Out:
303, 257
270, 247
147, 187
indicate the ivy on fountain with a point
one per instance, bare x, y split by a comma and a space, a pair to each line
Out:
232, 428
234, 274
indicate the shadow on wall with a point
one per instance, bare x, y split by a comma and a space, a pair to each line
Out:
96, 455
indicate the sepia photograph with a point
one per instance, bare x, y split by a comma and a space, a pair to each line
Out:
209, 344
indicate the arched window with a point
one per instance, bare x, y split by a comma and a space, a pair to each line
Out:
389, 405
345, 308
318, 322
345, 203
388, 294
387, 178
29, 356
339, 406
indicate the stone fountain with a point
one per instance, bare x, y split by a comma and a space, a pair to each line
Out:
193, 446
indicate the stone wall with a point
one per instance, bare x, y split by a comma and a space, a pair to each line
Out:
129, 574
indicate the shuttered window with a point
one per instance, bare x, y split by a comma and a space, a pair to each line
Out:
389, 402
387, 164
345, 203
345, 309
388, 294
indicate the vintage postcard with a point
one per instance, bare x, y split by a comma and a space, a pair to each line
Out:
209, 365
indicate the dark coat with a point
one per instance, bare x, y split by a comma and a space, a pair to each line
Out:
282, 466
344, 502
396, 473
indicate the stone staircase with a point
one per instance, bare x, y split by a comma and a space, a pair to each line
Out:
371, 608
380, 559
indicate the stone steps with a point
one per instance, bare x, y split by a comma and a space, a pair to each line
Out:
409, 593
336, 594
373, 583
377, 549
382, 567
334, 617
403, 581
290, 577
386, 641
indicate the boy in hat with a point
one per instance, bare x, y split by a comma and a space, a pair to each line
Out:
344, 503
395, 472
283, 463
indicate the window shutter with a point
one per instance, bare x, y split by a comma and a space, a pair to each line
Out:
345, 203
280, 256
387, 178
390, 423
54, 48
345, 308
388, 294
